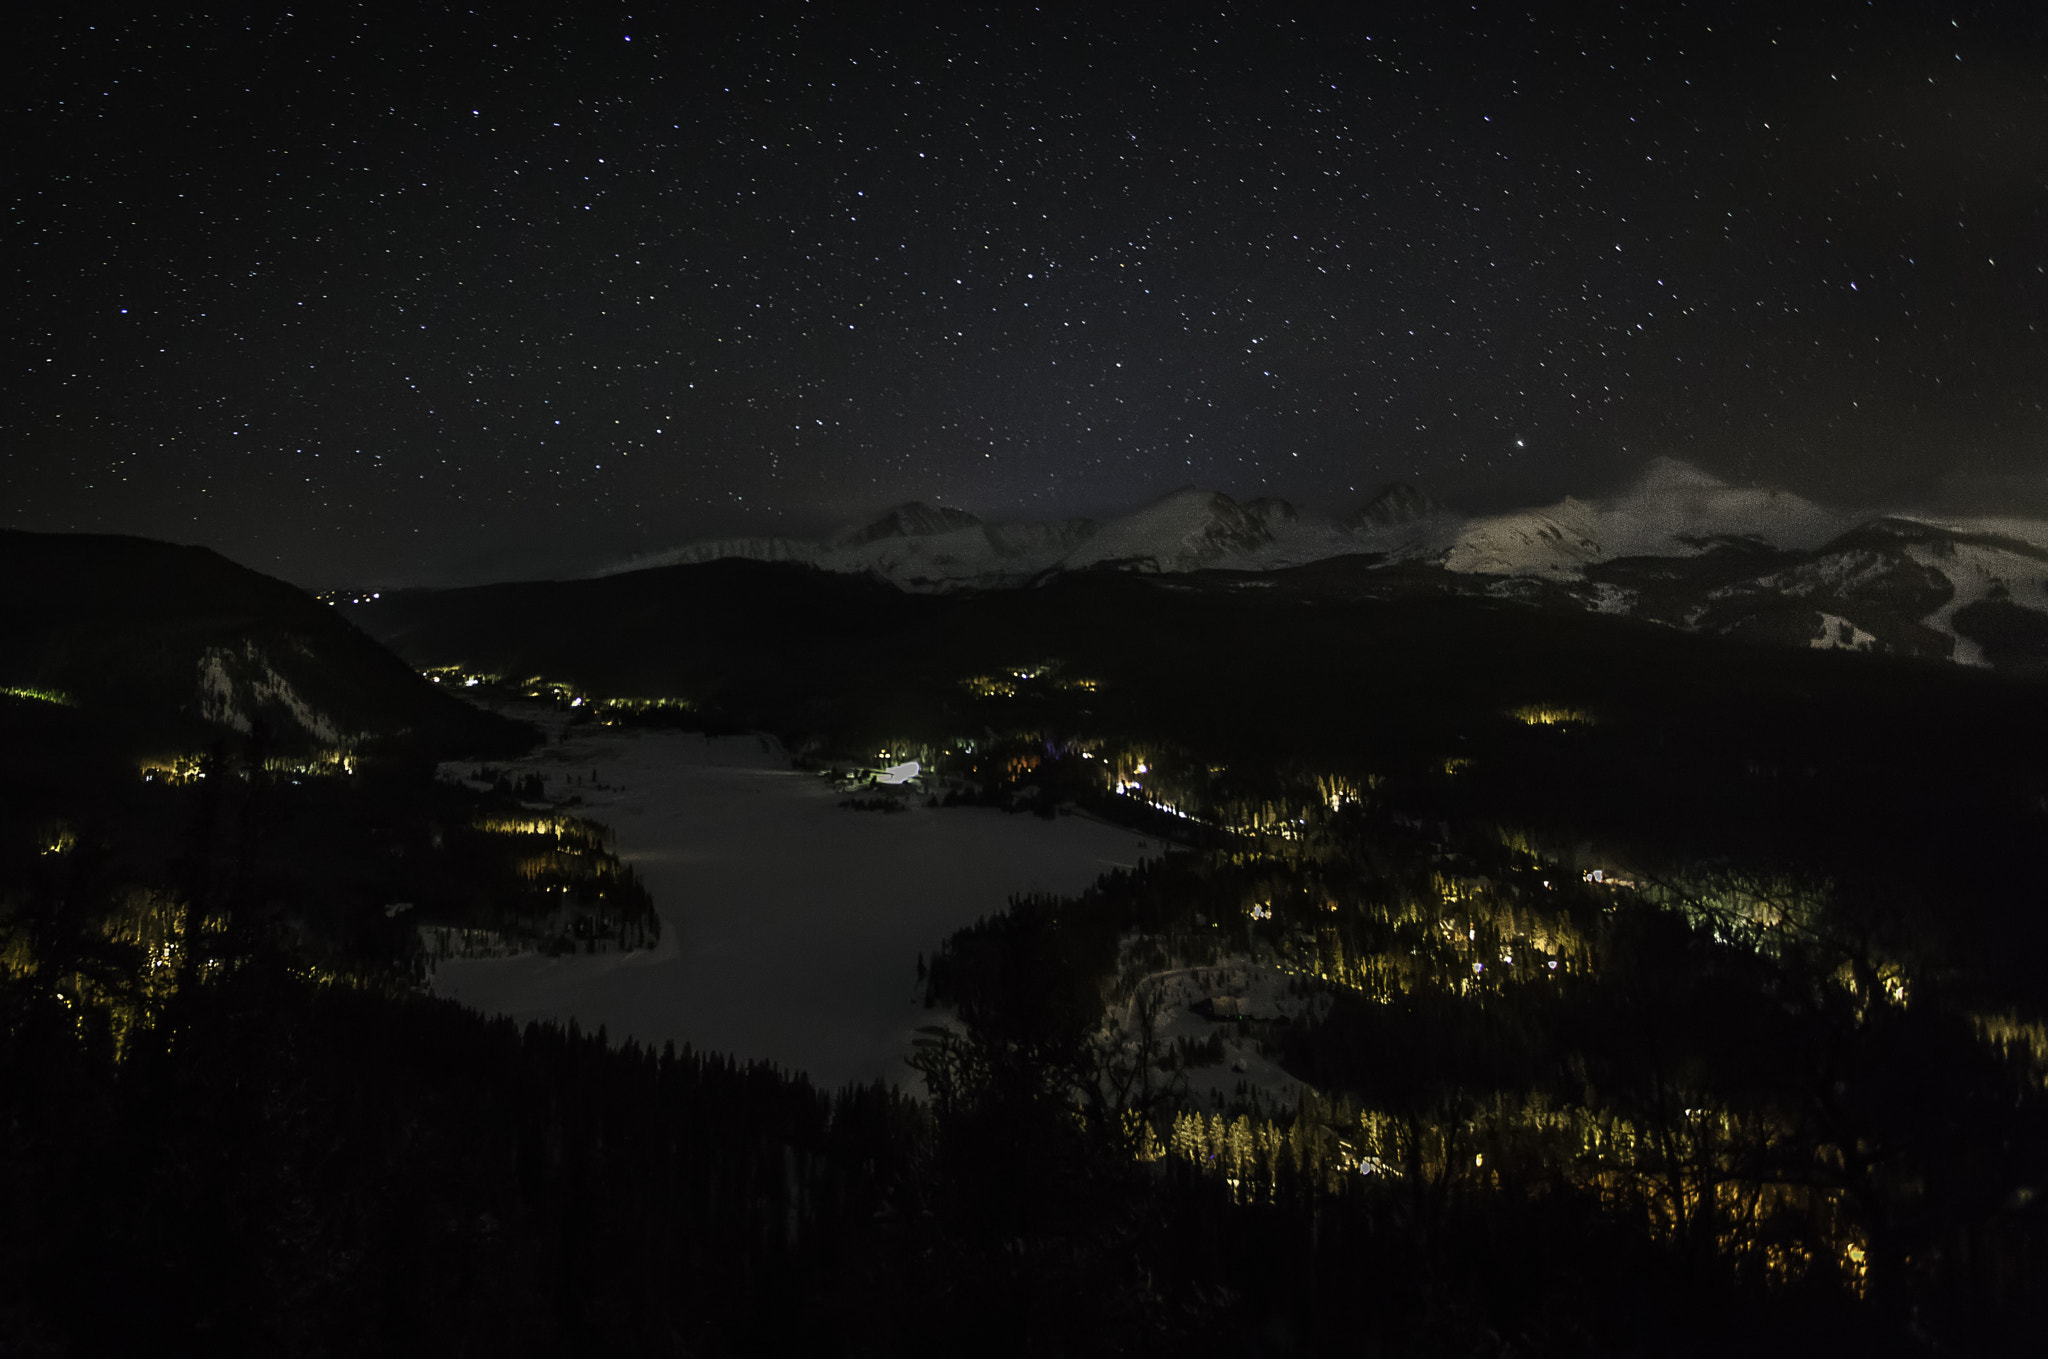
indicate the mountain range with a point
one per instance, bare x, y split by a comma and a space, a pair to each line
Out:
1679, 548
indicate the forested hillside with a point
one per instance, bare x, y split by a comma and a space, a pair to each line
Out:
1514, 983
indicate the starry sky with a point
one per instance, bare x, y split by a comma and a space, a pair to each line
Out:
396, 294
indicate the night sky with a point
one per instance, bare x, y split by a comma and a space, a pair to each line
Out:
378, 295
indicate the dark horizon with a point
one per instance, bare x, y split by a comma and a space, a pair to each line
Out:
514, 558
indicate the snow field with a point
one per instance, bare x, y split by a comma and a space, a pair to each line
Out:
790, 926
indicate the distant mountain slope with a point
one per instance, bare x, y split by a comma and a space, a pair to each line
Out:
1396, 504
164, 648
1893, 585
914, 546
1186, 531
1279, 664
1677, 547
1560, 540
1673, 509
914, 520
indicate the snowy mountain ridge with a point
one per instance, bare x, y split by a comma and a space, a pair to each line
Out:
1678, 547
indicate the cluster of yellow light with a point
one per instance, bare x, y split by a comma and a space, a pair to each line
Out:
1477, 941
1690, 1177
564, 867
35, 695
1005, 683
184, 769
1129, 766
56, 837
320, 764
1546, 715
458, 676
554, 690
1245, 1151
1451, 890
521, 825
1338, 792
177, 769
610, 709
1144, 1143
1293, 825
576, 850
1768, 915
1134, 775
329, 978
1276, 819
2016, 1039
1885, 982
158, 925
17, 958
990, 686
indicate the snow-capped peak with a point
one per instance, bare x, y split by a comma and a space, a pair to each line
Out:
1674, 501
1678, 546
1673, 510
1185, 531
1395, 504
912, 520
1560, 539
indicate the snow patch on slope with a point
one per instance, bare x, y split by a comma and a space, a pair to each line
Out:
1561, 540
913, 520
1613, 599
2032, 533
1978, 571
1835, 573
1186, 531
1674, 501
1840, 634
234, 684
1673, 510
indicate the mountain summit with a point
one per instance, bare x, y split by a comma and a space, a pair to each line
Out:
1186, 531
913, 520
1396, 504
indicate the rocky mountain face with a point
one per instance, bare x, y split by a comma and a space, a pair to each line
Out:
1679, 548
1397, 504
914, 520
1187, 531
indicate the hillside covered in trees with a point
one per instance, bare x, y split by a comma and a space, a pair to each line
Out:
1516, 984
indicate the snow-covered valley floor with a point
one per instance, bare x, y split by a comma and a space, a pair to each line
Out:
790, 926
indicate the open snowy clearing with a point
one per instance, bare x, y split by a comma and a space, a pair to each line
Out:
790, 926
